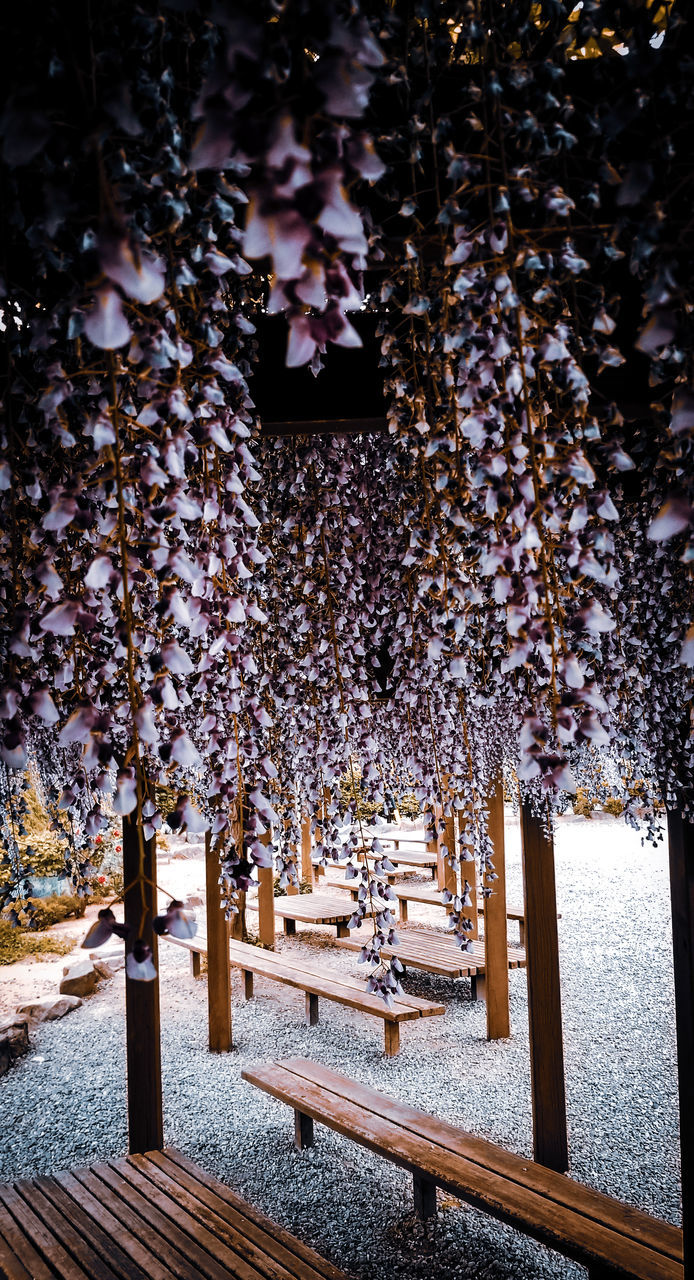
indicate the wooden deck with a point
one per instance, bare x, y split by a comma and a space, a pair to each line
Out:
156, 1216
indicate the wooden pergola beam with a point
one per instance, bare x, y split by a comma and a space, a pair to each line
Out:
326, 427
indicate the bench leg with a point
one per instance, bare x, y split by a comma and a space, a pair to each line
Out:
478, 986
311, 1009
195, 963
247, 984
424, 1197
303, 1131
289, 927
403, 912
392, 1034
342, 930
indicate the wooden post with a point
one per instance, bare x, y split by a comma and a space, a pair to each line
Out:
495, 937
266, 906
218, 968
306, 850
143, 1048
266, 900
544, 995
468, 871
433, 846
681, 842
446, 872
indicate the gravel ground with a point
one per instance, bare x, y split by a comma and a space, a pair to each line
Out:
64, 1104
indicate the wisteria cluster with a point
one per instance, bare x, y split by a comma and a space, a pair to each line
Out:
495, 586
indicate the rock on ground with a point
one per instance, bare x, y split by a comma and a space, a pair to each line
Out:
14, 1041
49, 1008
78, 979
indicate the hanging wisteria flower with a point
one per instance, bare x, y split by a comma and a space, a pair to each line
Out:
176, 921
138, 964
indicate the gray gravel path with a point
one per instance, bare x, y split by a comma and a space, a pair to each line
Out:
64, 1104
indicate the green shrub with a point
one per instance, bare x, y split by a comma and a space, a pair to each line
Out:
583, 803
38, 914
17, 944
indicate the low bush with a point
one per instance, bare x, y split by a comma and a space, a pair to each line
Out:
17, 944
37, 914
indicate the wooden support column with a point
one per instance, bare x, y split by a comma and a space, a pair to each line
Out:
266, 901
218, 968
434, 846
143, 1048
468, 871
544, 995
495, 938
447, 872
681, 842
306, 850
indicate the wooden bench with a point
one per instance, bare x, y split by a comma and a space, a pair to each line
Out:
152, 1217
438, 953
313, 908
431, 897
610, 1238
292, 972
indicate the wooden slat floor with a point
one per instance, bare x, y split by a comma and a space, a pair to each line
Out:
151, 1217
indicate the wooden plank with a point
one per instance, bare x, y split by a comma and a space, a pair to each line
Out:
255, 1224
681, 855
495, 943
19, 1259
100, 1253
218, 1236
604, 1209
169, 1220
143, 1047
95, 1209
544, 995
572, 1233
140, 1225
218, 968
40, 1237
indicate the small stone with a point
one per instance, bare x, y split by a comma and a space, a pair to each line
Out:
14, 1040
79, 979
103, 970
48, 1008
194, 901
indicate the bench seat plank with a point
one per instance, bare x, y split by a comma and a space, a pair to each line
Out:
545, 1181
291, 971
557, 1221
438, 953
313, 908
